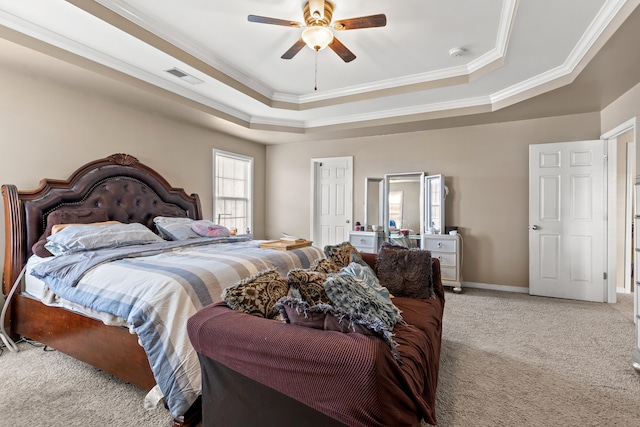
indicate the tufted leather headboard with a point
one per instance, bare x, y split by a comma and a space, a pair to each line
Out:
128, 190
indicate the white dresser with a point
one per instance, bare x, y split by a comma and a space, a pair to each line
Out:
448, 249
367, 241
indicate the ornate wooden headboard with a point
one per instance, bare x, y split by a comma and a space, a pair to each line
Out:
128, 190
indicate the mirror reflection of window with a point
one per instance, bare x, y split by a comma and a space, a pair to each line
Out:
436, 197
395, 208
374, 206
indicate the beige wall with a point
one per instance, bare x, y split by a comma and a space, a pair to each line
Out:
622, 109
486, 169
48, 130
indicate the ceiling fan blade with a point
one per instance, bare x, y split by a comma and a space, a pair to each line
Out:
293, 50
370, 21
342, 51
273, 21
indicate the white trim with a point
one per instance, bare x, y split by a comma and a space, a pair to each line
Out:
312, 192
622, 128
629, 213
492, 287
610, 197
609, 136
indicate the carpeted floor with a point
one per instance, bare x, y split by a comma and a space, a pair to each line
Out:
49, 389
507, 360
517, 360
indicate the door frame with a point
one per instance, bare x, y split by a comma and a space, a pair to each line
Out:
629, 215
612, 153
315, 162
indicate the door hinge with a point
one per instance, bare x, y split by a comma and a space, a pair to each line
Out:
604, 275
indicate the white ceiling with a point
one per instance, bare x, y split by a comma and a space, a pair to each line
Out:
403, 72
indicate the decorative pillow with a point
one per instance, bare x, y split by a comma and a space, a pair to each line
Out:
258, 294
59, 227
328, 318
355, 296
310, 285
343, 254
78, 238
175, 228
206, 228
324, 265
366, 273
67, 216
405, 272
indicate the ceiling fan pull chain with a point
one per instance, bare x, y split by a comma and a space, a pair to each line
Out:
315, 82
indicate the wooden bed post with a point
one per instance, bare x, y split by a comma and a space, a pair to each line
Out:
13, 250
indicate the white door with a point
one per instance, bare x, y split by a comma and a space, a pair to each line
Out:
567, 249
332, 203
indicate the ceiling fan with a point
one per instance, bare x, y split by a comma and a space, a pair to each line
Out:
318, 32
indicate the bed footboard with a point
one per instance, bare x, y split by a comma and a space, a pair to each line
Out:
260, 405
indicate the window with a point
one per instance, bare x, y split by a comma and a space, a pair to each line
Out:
233, 190
395, 209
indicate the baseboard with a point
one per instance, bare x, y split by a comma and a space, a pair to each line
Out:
491, 287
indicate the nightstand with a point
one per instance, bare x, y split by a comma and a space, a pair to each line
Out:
448, 249
367, 241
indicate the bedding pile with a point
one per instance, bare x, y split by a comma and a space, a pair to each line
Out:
156, 287
349, 349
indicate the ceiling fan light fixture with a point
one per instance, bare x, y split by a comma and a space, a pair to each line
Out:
317, 37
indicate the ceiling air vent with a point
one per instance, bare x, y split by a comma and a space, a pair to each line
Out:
184, 76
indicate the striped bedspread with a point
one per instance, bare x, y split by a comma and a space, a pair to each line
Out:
159, 291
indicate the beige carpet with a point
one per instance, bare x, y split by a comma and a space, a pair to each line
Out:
46, 388
517, 360
507, 360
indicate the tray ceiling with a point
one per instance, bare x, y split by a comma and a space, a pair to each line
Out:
404, 72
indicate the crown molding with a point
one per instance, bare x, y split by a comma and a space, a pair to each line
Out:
613, 13
72, 51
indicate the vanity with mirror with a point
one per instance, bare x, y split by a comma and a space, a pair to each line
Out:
404, 208
409, 209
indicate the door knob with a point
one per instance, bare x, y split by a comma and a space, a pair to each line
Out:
535, 227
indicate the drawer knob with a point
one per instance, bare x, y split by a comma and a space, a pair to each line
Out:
439, 244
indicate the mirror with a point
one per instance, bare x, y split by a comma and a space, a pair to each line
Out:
404, 205
435, 194
373, 202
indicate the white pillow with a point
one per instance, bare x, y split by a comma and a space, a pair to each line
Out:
77, 238
175, 228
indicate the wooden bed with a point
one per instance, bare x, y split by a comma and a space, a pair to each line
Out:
130, 192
